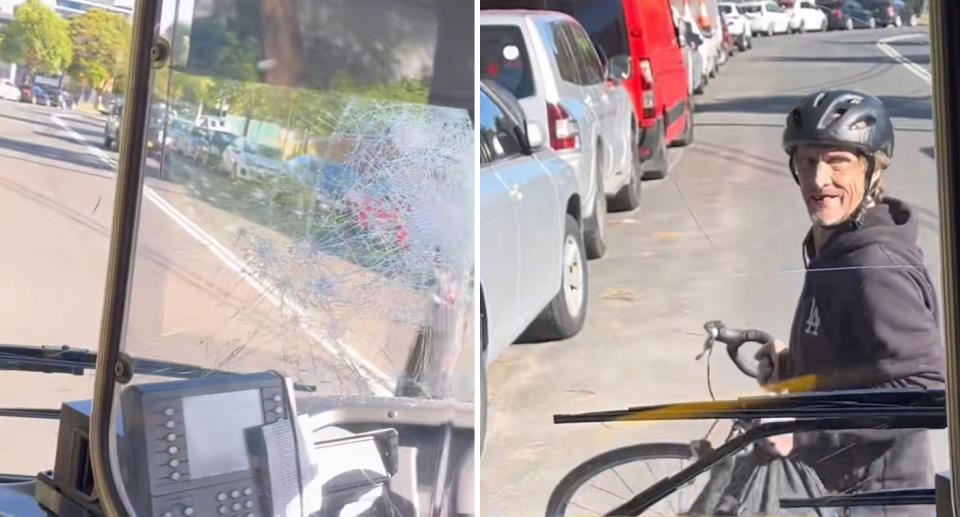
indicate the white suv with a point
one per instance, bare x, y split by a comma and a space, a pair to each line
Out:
806, 16
547, 61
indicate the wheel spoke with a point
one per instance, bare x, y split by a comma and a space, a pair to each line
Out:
610, 492
591, 510
614, 469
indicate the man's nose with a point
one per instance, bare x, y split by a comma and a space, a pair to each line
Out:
823, 175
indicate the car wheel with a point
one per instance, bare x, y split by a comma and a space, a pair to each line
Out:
595, 228
849, 24
898, 22
823, 26
628, 197
564, 315
657, 166
913, 20
803, 27
770, 30
686, 138
873, 23
107, 142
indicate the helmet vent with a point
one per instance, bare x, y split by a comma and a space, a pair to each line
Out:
819, 99
864, 123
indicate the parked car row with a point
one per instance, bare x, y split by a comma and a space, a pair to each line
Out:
579, 101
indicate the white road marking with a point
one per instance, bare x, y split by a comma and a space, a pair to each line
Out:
917, 70
377, 380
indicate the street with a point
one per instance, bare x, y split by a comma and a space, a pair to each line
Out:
718, 239
215, 285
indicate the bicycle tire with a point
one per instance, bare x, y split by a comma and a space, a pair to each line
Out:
567, 487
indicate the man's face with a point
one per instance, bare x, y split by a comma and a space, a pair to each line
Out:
831, 182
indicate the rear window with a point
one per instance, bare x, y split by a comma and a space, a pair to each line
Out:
602, 19
726, 9
505, 60
752, 8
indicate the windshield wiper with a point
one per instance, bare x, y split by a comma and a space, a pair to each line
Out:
75, 361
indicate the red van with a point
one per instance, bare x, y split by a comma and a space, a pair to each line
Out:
658, 84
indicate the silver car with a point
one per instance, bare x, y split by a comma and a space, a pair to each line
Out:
246, 159
531, 259
547, 61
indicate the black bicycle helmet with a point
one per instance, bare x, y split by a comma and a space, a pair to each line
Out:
842, 117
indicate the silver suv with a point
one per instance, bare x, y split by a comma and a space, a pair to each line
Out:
547, 61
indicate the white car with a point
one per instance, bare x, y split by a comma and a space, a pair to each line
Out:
806, 16
9, 91
767, 18
737, 25
246, 159
531, 261
548, 62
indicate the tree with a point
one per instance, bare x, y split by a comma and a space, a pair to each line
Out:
38, 39
101, 45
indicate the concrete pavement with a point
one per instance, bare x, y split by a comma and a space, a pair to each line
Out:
719, 238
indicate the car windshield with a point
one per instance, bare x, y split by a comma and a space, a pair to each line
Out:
504, 59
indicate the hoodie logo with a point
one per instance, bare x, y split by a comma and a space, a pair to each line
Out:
813, 319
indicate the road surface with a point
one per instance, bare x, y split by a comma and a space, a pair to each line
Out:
216, 282
719, 238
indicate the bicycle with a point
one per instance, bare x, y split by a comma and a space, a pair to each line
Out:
598, 487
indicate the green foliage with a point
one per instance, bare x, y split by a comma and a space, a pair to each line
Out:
38, 39
101, 45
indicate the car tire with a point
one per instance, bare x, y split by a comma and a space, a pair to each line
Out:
803, 27
107, 142
873, 23
849, 24
657, 166
823, 26
628, 197
770, 30
686, 138
913, 20
558, 321
898, 21
595, 227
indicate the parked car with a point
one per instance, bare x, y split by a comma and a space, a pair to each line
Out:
693, 56
737, 24
247, 159
767, 18
26, 94
179, 133
805, 16
213, 142
548, 62
728, 45
66, 101
41, 95
890, 13
111, 129
658, 84
9, 91
906, 13
532, 264
847, 14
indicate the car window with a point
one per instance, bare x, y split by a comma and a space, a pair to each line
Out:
602, 19
725, 9
774, 8
496, 138
563, 54
752, 8
587, 58
504, 59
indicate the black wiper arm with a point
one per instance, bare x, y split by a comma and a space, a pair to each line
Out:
74, 361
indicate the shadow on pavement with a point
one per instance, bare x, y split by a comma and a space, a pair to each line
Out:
30, 121
920, 59
898, 106
55, 153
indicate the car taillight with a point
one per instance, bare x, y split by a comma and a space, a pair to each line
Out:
649, 105
564, 133
646, 73
890, 11
837, 13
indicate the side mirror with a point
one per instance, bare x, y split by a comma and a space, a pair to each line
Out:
535, 137
618, 68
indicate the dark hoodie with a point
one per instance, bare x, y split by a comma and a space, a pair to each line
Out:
867, 318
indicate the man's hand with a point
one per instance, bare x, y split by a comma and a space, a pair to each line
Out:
768, 369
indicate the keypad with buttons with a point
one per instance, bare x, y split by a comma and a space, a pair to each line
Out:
273, 407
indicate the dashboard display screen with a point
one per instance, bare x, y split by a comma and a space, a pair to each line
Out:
215, 427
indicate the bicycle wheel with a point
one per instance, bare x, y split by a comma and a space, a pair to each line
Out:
602, 483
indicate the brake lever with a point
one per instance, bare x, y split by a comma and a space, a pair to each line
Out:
713, 331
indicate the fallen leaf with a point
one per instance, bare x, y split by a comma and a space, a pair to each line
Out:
619, 294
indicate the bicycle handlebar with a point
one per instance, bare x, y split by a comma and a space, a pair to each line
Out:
734, 339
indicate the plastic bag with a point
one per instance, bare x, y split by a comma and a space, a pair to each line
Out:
752, 484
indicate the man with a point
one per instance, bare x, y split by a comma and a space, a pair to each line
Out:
867, 315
